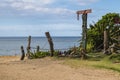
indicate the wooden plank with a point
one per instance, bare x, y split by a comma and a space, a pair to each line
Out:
84, 11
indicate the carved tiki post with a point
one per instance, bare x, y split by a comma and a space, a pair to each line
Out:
50, 43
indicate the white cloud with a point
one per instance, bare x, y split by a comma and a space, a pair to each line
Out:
43, 2
34, 7
86, 2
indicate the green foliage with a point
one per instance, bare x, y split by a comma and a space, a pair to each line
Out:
39, 55
95, 33
56, 53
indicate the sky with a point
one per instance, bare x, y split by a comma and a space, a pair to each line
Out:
35, 17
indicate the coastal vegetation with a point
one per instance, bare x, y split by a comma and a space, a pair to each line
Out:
94, 55
95, 34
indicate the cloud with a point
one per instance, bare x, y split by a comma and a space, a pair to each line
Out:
86, 2
43, 2
43, 6
34, 7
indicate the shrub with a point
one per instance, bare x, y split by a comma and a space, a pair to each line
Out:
39, 55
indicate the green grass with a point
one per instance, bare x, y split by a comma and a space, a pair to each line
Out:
94, 60
105, 62
96, 64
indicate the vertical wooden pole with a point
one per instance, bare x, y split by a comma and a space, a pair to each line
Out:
105, 41
84, 26
28, 47
50, 43
23, 53
38, 48
84, 31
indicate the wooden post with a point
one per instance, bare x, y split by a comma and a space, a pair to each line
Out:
28, 47
84, 30
38, 48
50, 43
84, 26
83, 54
105, 41
23, 53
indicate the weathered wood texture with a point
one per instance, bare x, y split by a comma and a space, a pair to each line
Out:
50, 43
83, 12
28, 47
38, 48
23, 53
105, 41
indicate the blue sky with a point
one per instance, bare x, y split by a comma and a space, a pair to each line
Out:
35, 17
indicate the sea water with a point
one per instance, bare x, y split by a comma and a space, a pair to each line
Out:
11, 45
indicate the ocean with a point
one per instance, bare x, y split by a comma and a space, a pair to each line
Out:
11, 45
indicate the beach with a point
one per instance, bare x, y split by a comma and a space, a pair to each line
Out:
11, 68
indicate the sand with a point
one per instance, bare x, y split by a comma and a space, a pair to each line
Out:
11, 68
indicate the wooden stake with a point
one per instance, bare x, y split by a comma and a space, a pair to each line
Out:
50, 43
23, 53
28, 47
38, 48
105, 41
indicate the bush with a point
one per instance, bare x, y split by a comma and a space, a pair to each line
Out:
39, 55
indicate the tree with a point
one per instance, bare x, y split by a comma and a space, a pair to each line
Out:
96, 31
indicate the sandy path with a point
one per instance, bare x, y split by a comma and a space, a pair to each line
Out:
48, 69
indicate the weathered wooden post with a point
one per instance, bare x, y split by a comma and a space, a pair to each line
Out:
83, 54
106, 45
50, 43
84, 26
23, 53
28, 47
38, 48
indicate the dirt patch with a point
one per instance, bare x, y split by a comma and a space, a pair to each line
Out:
49, 69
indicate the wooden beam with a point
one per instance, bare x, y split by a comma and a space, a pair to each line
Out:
84, 11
